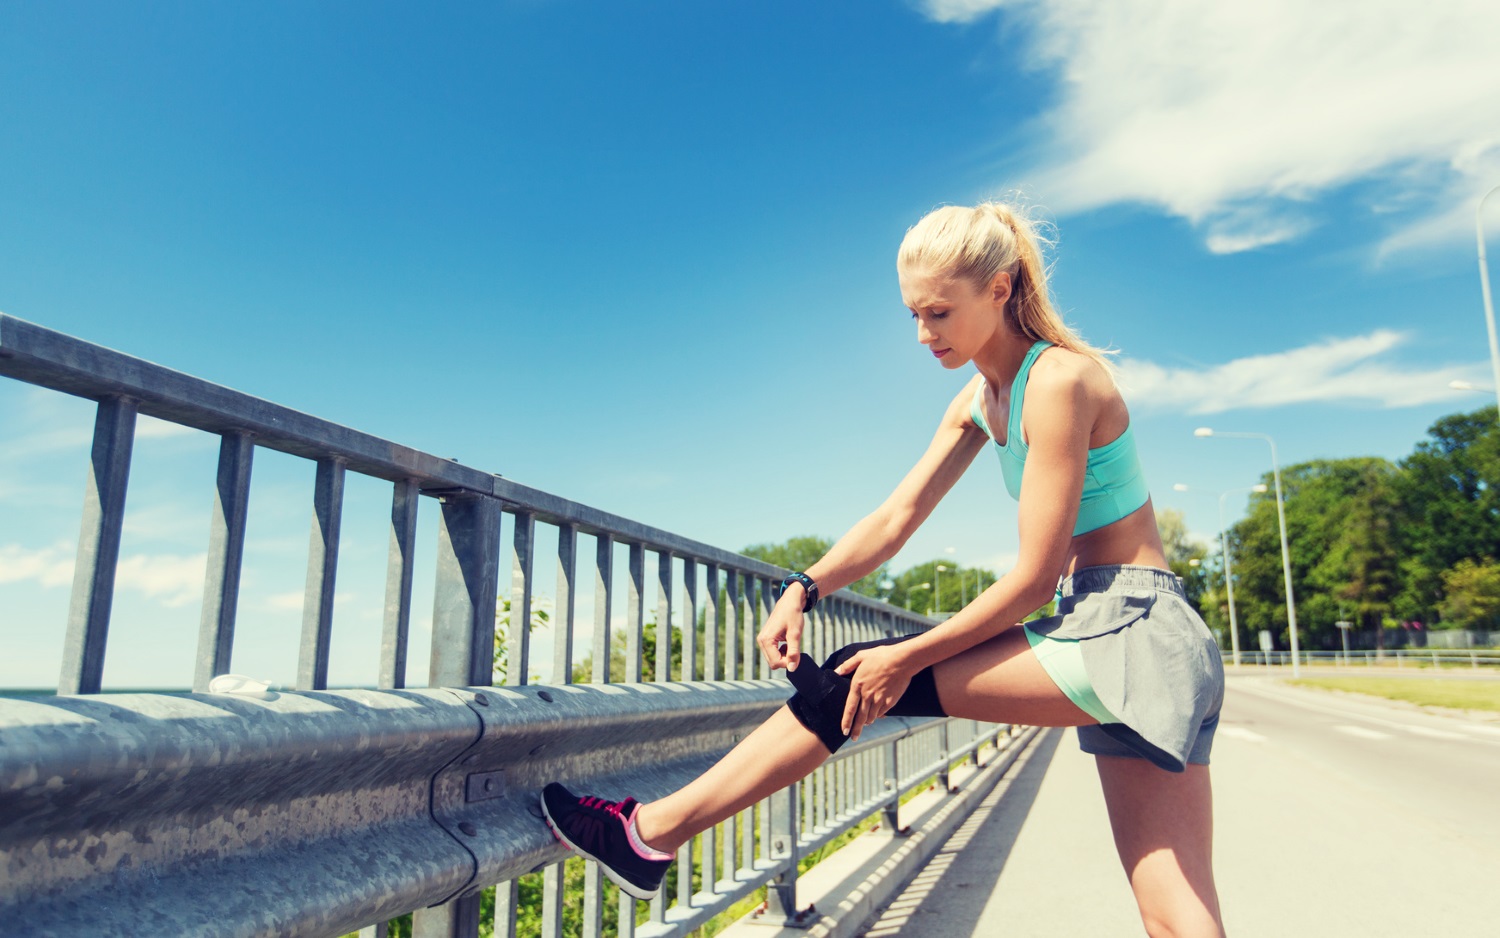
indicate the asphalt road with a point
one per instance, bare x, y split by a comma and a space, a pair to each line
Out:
1334, 816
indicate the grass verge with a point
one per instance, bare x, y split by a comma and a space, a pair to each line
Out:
1429, 692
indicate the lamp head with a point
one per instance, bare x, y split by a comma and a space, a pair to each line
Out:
941, 568
1204, 431
1261, 488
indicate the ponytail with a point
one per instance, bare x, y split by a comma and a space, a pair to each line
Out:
980, 243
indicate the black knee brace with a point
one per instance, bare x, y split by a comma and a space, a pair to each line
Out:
822, 694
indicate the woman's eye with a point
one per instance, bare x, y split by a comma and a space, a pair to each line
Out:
940, 314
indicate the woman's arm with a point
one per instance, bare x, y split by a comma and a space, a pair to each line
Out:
1058, 417
879, 535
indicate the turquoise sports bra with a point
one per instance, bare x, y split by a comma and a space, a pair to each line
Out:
1113, 484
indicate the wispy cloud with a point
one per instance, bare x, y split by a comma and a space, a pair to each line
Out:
1348, 369
1240, 116
173, 579
48, 566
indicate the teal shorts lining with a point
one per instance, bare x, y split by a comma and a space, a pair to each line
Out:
1063, 661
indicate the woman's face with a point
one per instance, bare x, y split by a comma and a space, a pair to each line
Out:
954, 320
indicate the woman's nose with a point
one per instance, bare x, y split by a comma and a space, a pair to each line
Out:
924, 334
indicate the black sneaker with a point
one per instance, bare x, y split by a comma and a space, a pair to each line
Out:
598, 829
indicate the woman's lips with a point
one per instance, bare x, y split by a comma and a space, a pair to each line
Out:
940, 352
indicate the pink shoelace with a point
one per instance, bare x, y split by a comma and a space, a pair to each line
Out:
613, 807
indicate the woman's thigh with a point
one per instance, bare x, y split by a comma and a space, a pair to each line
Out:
1163, 829
1001, 681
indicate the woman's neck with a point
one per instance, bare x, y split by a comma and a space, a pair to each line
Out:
1001, 359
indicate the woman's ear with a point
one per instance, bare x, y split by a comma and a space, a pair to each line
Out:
1000, 288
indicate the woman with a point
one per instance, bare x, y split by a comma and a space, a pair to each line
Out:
1126, 659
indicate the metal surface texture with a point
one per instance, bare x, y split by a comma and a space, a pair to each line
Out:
321, 812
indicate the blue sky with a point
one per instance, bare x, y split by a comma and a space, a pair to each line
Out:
641, 256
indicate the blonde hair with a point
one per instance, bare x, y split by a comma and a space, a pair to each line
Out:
978, 244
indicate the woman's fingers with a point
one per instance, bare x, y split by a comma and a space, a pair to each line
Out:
770, 646
794, 645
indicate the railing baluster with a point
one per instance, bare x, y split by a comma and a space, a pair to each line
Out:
762, 613
226, 550
322, 570
604, 591
635, 612
98, 548
593, 902
711, 622
458, 918
562, 623
398, 573
627, 916
507, 900
731, 623
663, 670
689, 619
552, 901
518, 634
747, 631
463, 610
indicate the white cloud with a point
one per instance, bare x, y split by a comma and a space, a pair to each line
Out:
1347, 369
1239, 115
148, 428
49, 566
174, 579
959, 11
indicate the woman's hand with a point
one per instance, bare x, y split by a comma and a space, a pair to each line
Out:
783, 629
880, 678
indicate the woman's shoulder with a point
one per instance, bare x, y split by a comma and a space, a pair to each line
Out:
1064, 377
1058, 368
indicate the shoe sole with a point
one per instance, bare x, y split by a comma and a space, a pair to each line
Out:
628, 887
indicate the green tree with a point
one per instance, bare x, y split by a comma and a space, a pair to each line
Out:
799, 553
1471, 597
914, 588
539, 619
1449, 495
1184, 555
1341, 519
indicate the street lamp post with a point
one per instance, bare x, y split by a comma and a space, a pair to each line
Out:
1234, 627
919, 586
1484, 284
937, 588
1286, 553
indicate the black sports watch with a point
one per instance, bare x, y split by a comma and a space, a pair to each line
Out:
808, 584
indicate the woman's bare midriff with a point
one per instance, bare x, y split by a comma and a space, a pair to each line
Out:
1131, 540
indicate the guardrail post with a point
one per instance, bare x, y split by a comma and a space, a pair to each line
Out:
397, 626
226, 549
781, 892
944, 750
463, 609
463, 642
567, 603
892, 806
518, 634
322, 570
98, 548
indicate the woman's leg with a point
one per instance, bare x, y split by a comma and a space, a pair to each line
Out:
779, 752
1163, 827
997, 681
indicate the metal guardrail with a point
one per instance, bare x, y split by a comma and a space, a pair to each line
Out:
315, 812
1439, 658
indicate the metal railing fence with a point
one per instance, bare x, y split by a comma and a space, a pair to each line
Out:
1472, 659
318, 811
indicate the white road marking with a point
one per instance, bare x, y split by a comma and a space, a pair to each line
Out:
1239, 732
1362, 733
1434, 734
